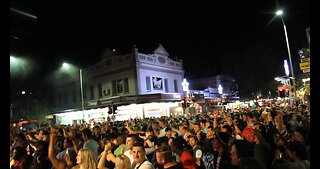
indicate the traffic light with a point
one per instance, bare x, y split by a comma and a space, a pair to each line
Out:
109, 109
114, 108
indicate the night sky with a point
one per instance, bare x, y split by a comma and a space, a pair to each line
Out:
231, 37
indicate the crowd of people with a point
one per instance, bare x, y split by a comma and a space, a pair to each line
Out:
263, 137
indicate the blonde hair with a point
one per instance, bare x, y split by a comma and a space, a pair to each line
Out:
88, 159
108, 145
122, 162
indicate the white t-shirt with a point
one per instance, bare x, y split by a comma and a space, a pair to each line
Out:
145, 165
162, 132
128, 154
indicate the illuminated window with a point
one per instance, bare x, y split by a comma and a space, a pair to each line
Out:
148, 84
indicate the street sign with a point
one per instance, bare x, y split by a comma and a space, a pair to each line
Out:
304, 65
306, 70
305, 60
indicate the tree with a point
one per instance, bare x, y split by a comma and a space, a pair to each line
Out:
37, 109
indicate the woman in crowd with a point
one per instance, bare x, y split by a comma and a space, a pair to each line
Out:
122, 162
86, 159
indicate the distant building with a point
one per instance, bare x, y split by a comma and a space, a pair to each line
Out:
209, 87
136, 84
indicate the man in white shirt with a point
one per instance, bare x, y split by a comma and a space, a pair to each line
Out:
139, 154
131, 139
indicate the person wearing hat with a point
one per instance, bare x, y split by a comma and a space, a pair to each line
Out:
221, 154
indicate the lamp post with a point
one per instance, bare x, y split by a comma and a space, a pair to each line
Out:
279, 13
81, 91
66, 65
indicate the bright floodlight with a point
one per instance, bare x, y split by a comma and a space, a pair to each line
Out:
220, 89
286, 67
279, 12
65, 65
12, 59
23, 92
185, 85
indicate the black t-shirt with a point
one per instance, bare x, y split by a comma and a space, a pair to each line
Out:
178, 166
207, 146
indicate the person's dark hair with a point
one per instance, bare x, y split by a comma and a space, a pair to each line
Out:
194, 137
139, 144
210, 122
203, 121
134, 137
299, 148
210, 127
72, 155
303, 106
69, 141
174, 125
96, 127
249, 114
120, 139
168, 129
244, 148
229, 128
87, 132
163, 121
179, 142
166, 152
162, 140
197, 123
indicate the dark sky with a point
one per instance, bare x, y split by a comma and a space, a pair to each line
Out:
198, 33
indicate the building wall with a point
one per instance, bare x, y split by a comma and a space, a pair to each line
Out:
158, 67
113, 68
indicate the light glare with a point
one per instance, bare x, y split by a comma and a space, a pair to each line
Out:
279, 12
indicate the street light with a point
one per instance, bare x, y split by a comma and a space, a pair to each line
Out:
279, 13
67, 66
81, 91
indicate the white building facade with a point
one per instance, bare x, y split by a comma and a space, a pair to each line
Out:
137, 85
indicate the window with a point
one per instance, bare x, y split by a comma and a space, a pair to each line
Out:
114, 87
126, 85
148, 84
175, 86
166, 85
119, 86
100, 90
91, 93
